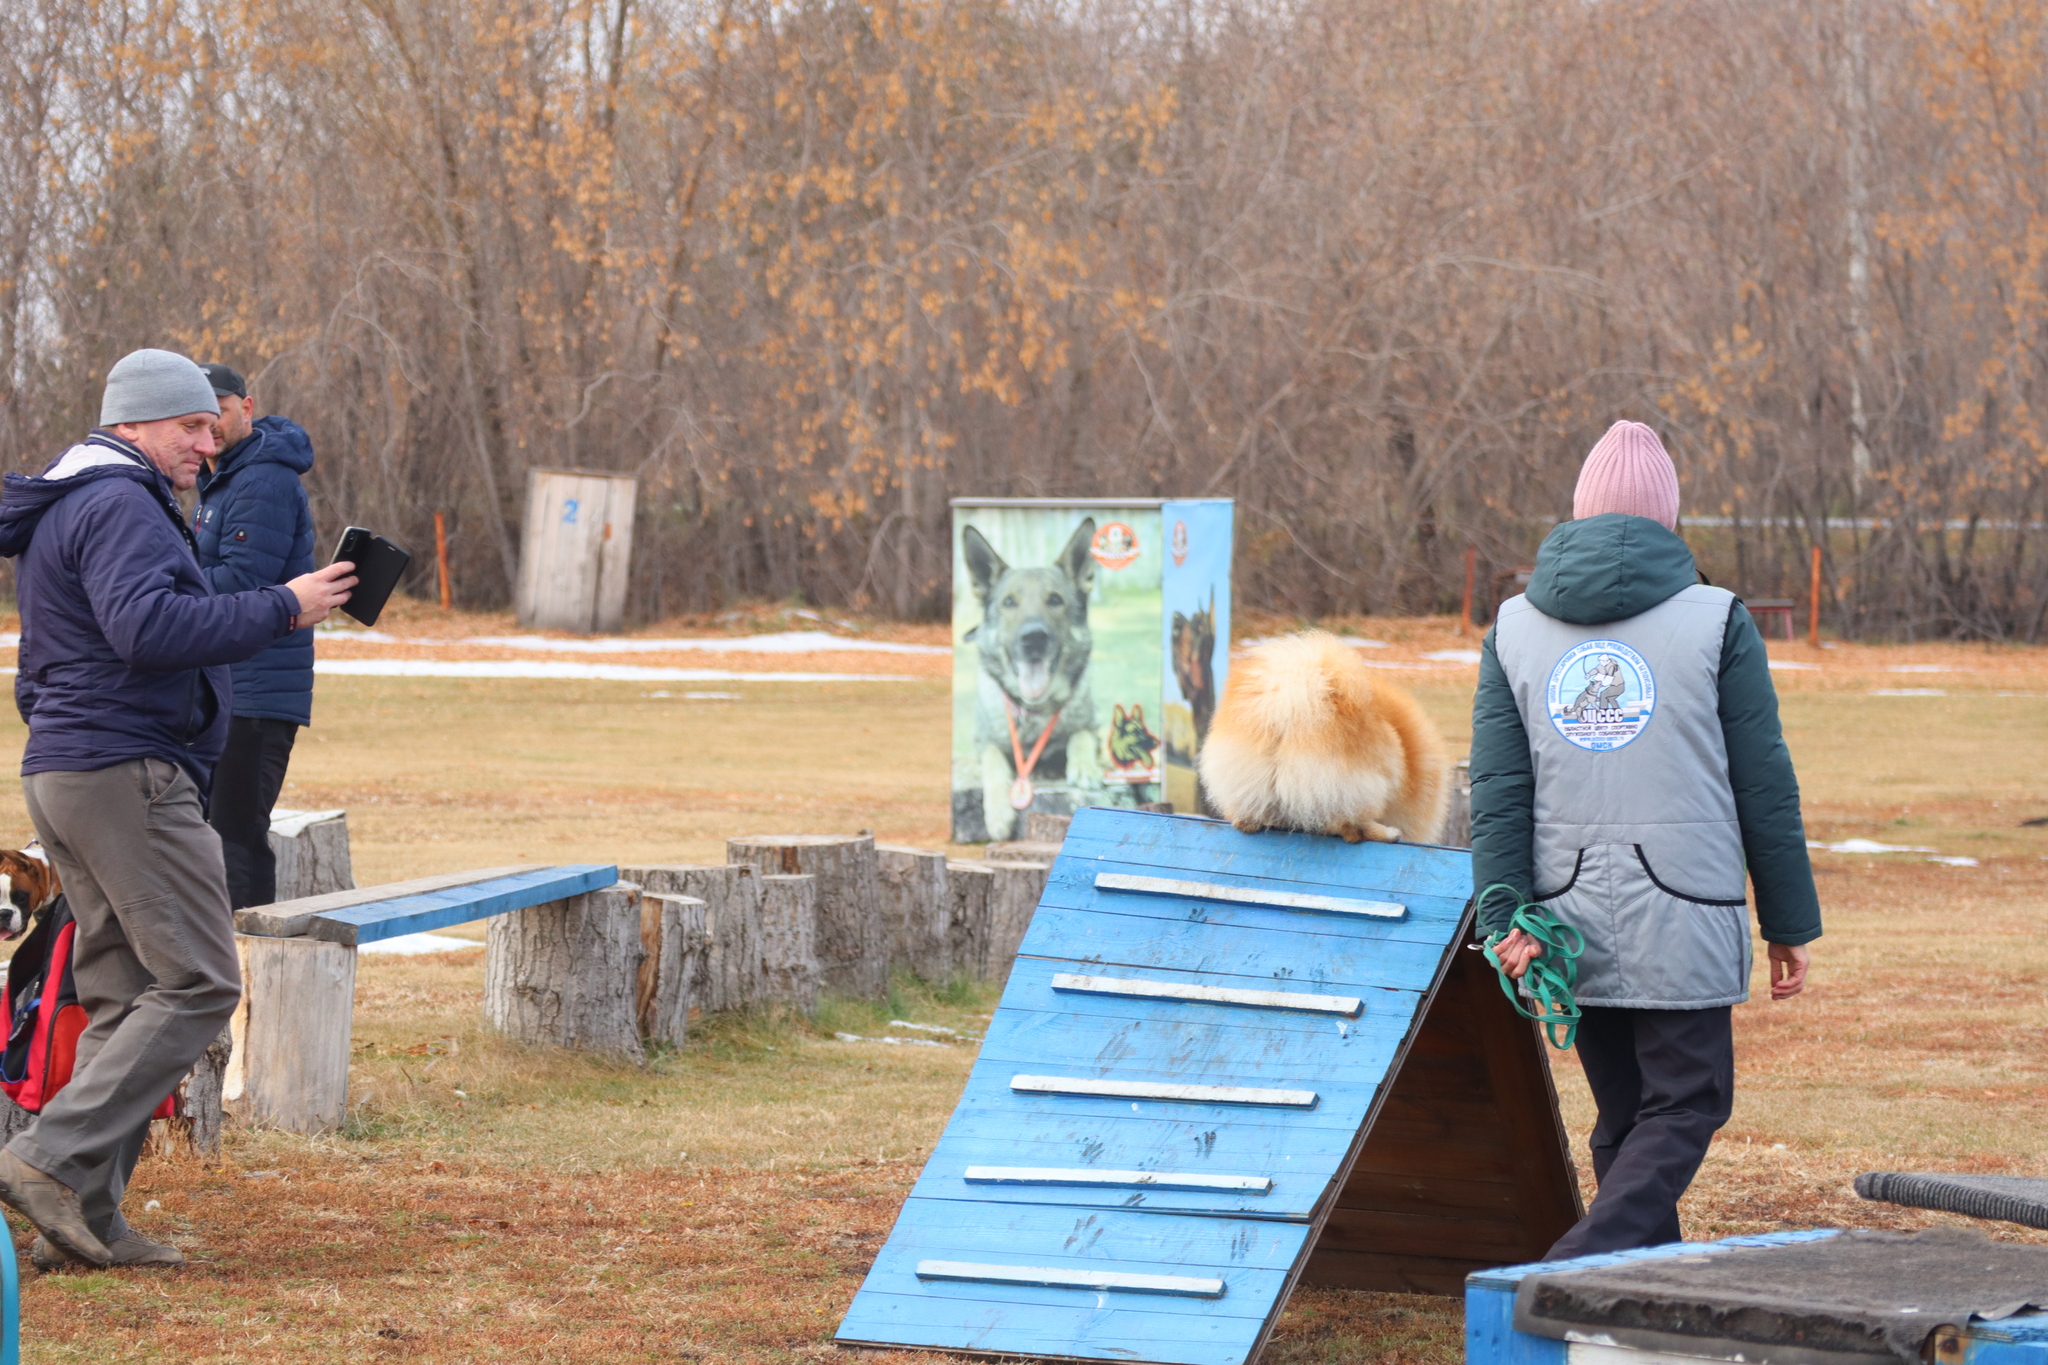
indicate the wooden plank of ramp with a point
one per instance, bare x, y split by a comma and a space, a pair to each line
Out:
1192, 1052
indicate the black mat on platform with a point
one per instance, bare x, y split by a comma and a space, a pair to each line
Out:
1860, 1293
2009, 1198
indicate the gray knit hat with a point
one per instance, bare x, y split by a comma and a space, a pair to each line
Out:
146, 385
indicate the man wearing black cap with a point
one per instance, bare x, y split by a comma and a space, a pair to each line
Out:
253, 529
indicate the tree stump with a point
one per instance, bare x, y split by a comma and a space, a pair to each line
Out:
728, 972
968, 889
287, 1064
916, 905
1012, 899
673, 934
13, 1119
789, 961
312, 853
564, 974
195, 1132
1458, 824
853, 943
1040, 828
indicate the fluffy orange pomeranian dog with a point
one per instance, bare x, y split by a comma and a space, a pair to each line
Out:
1306, 738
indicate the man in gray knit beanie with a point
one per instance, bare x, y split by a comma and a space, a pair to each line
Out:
147, 386
124, 684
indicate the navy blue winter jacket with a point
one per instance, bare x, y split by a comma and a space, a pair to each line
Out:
124, 645
254, 529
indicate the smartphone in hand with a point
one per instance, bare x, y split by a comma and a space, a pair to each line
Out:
379, 565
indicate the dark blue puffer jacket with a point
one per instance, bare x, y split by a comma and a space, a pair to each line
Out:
124, 644
255, 529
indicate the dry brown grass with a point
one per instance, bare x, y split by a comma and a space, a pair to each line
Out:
721, 1204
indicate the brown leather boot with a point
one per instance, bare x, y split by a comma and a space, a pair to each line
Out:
52, 1206
132, 1248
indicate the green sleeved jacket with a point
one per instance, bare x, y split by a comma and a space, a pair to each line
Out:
1609, 569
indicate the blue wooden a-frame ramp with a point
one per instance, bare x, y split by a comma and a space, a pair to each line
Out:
1184, 1102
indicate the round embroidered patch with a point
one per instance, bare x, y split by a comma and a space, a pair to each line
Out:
1601, 695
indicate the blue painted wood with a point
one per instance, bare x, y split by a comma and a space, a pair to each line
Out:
418, 914
1085, 940
1254, 1242
1075, 887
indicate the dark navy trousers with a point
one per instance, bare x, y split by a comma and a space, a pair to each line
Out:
1664, 1081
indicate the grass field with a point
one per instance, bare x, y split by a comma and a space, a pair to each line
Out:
490, 1203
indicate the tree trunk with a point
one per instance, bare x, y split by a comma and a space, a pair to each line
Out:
673, 933
563, 974
1012, 899
853, 943
13, 1119
789, 961
729, 968
312, 853
1458, 824
288, 1057
968, 890
911, 884
195, 1132
1040, 828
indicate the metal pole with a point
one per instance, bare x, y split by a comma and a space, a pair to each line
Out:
10, 1299
1813, 603
1471, 567
441, 555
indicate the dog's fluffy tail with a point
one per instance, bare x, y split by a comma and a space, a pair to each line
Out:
1268, 758
1307, 738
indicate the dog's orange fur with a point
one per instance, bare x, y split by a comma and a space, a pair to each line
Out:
1307, 738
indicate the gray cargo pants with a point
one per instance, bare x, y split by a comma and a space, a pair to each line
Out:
154, 960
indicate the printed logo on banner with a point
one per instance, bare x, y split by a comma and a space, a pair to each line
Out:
1601, 695
1180, 543
1116, 546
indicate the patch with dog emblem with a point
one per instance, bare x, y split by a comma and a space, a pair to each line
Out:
1601, 695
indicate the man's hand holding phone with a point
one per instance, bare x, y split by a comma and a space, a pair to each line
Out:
321, 591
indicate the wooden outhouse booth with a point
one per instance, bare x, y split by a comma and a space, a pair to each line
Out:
577, 547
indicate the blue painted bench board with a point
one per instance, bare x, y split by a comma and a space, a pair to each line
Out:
419, 913
1254, 1243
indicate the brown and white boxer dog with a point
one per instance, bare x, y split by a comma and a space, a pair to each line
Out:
27, 884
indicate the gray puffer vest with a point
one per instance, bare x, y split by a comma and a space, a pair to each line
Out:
1636, 840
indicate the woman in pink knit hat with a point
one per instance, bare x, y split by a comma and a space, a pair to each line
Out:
1628, 775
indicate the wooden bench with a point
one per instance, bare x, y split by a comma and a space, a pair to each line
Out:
289, 1068
1764, 608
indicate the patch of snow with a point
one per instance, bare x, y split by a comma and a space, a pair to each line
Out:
1355, 641
1794, 665
428, 668
895, 1042
782, 642
1454, 656
1925, 668
1867, 846
411, 945
290, 824
1907, 692
1955, 862
362, 635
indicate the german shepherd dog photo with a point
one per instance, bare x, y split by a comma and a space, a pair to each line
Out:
1194, 663
1034, 715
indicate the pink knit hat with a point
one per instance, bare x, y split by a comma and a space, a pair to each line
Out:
1629, 472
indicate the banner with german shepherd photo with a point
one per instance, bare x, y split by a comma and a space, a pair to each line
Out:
1195, 583
1058, 656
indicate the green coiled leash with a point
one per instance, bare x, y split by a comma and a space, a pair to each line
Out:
1550, 977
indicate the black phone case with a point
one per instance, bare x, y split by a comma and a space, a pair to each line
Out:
379, 565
